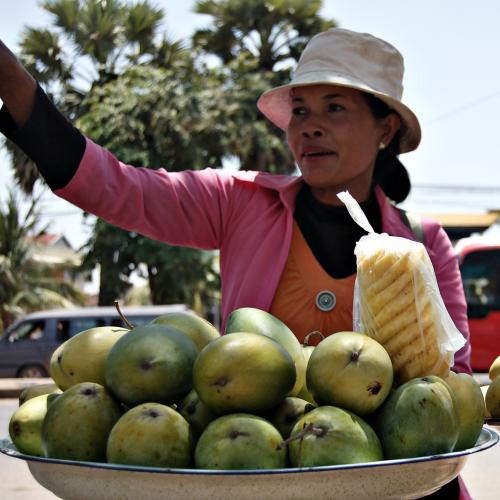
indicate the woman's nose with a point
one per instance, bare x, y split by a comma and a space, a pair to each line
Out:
312, 128
312, 132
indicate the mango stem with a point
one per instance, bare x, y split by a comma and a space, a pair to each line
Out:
129, 325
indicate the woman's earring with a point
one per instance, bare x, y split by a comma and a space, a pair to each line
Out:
381, 145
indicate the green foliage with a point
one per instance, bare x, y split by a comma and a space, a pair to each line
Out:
181, 275
256, 142
43, 56
150, 116
113, 250
175, 275
272, 31
109, 30
26, 285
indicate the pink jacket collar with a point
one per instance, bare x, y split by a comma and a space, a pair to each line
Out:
288, 186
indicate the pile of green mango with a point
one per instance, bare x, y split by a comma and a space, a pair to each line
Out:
177, 393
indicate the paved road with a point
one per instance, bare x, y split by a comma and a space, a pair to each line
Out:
481, 472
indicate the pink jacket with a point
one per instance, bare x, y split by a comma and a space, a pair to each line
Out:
247, 215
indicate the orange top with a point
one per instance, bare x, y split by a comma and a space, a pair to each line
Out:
308, 298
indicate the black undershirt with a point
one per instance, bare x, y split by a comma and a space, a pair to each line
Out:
57, 147
331, 233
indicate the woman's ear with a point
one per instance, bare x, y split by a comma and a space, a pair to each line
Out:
389, 126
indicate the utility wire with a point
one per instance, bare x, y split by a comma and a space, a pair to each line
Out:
460, 109
456, 187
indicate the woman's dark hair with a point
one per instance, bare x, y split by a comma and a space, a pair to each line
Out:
390, 174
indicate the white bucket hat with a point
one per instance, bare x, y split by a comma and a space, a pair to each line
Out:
356, 60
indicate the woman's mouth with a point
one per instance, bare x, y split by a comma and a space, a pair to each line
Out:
321, 153
317, 153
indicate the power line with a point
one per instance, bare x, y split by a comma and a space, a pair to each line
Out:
457, 187
465, 107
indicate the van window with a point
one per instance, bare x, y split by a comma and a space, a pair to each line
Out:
481, 278
117, 322
27, 330
62, 330
77, 325
134, 320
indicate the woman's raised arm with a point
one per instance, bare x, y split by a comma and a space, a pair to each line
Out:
17, 86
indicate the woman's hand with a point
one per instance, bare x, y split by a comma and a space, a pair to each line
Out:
17, 86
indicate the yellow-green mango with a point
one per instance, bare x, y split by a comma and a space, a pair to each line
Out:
83, 356
470, 408
25, 425
251, 319
199, 329
494, 369
151, 435
78, 423
240, 441
243, 372
492, 398
37, 390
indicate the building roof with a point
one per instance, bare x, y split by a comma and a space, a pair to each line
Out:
53, 249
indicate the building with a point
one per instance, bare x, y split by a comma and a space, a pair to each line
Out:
55, 252
463, 225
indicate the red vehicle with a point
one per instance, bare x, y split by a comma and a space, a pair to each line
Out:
479, 260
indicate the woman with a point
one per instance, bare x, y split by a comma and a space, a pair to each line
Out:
286, 243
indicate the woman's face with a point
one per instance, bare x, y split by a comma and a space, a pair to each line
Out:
335, 138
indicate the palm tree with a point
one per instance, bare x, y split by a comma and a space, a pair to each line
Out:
271, 31
24, 284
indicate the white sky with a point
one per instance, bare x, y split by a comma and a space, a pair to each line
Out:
452, 83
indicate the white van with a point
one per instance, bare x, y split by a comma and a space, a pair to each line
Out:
27, 344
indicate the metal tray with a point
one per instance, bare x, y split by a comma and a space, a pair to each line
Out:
389, 479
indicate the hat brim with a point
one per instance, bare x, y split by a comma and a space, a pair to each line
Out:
276, 106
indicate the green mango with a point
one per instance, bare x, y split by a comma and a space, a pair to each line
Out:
78, 423
198, 329
37, 390
81, 358
418, 419
195, 412
286, 414
151, 364
151, 435
329, 435
305, 393
243, 372
251, 319
492, 398
240, 441
470, 408
25, 425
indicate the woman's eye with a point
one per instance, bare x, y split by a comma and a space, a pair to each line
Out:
335, 107
298, 111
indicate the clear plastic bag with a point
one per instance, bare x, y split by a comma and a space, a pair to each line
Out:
397, 302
